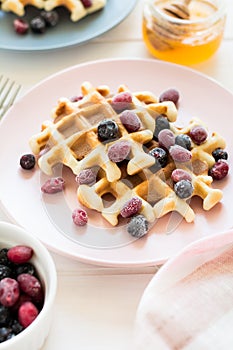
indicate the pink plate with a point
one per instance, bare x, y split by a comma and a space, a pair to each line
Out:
49, 217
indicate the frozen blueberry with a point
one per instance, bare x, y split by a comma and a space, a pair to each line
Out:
138, 226
160, 124
183, 140
183, 189
107, 130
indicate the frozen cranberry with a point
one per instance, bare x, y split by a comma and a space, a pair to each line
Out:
122, 101
27, 313
31, 286
166, 138
86, 177
131, 207
130, 121
53, 185
20, 26
170, 95
20, 254
86, 3
180, 154
180, 174
198, 134
119, 151
9, 291
219, 170
79, 217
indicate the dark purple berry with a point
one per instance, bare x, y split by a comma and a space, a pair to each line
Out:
131, 207
166, 138
130, 120
25, 268
5, 271
20, 26
160, 124
4, 315
160, 156
107, 130
138, 226
38, 25
170, 95
198, 134
79, 217
27, 161
119, 151
183, 140
183, 189
219, 153
51, 18
122, 101
53, 185
219, 170
86, 177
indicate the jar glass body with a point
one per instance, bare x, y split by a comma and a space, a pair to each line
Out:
182, 41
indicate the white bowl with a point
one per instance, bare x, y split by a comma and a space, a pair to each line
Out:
32, 337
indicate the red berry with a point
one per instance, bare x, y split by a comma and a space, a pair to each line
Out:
79, 217
27, 313
20, 26
130, 120
170, 95
198, 134
20, 254
219, 170
131, 207
122, 101
31, 286
119, 151
53, 185
9, 291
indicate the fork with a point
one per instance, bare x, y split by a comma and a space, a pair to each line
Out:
8, 92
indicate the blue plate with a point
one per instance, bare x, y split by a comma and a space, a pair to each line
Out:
66, 33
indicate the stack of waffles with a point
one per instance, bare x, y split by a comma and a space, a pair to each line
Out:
71, 137
77, 8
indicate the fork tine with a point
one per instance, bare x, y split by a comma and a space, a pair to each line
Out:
8, 93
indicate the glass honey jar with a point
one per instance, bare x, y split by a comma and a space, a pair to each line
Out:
184, 41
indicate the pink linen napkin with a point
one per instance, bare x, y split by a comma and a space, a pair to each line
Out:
188, 305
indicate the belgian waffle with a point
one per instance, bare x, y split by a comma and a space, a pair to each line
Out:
71, 139
18, 6
76, 7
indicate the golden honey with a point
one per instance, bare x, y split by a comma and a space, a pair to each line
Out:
182, 41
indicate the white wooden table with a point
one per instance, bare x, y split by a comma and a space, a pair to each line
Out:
95, 307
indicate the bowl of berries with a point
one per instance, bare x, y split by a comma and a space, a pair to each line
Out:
28, 284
